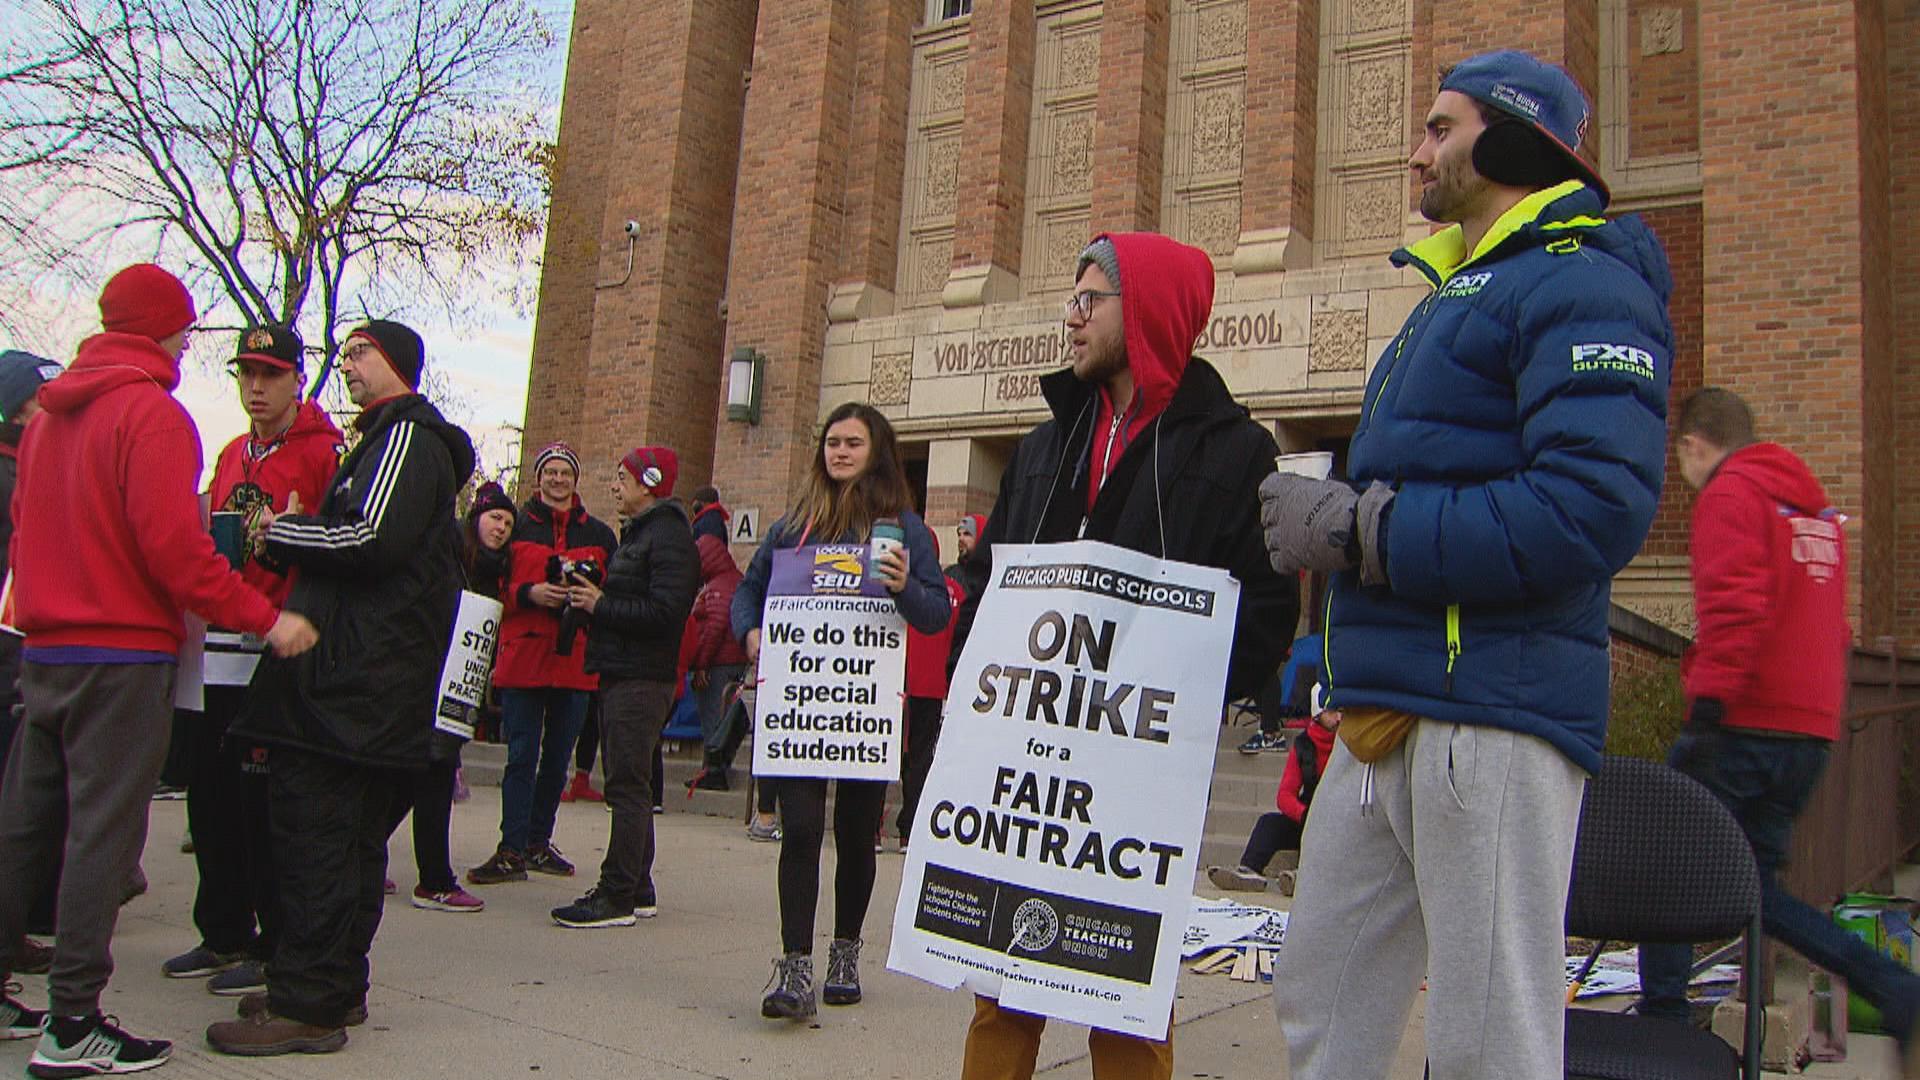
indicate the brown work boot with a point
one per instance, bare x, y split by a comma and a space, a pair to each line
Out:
267, 1035
256, 1005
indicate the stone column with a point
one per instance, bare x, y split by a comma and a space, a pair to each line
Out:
877, 160
990, 205
1131, 132
1283, 102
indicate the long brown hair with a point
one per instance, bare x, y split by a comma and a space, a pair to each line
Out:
830, 510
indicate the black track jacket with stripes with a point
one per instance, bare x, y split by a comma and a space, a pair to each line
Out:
377, 569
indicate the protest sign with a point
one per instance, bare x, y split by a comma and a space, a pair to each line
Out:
833, 669
1052, 858
469, 664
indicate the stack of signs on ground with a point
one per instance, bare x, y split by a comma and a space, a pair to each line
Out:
1618, 972
833, 667
1225, 937
1053, 853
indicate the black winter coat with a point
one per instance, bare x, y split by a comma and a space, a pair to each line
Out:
380, 577
1205, 458
651, 582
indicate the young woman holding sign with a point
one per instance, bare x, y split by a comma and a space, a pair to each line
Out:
855, 480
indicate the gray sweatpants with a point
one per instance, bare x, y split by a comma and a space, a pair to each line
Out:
1450, 863
83, 767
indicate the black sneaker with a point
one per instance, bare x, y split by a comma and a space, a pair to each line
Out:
16, 1020
1260, 742
546, 859
239, 980
89, 1046
200, 961
504, 866
593, 911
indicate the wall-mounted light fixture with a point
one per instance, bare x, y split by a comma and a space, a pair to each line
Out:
746, 374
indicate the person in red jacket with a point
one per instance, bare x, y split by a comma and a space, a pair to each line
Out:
540, 672
290, 448
1277, 834
927, 674
1766, 680
717, 661
112, 554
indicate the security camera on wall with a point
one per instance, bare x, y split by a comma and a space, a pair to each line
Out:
633, 228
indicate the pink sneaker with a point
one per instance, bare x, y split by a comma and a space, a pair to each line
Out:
456, 899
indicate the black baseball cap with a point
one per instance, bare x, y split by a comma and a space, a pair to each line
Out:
275, 346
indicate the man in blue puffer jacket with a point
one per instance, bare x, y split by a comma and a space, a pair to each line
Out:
1507, 463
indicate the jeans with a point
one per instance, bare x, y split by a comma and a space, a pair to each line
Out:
541, 726
1273, 833
1766, 782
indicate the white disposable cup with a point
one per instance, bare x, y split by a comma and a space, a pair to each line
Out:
1317, 464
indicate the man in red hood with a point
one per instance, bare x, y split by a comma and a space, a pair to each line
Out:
1766, 680
1146, 450
290, 449
112, 554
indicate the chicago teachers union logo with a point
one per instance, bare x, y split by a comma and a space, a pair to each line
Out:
1035, 926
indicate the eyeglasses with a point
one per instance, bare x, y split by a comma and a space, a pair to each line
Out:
356, 351
1081, 303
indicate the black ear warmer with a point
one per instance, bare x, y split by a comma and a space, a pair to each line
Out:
1512, 152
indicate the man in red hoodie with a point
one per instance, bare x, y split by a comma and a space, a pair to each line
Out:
112, 554
290, 448
1766, 680
1146, 450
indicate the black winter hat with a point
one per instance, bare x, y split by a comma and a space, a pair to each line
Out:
404, 350
490, 496
21, 375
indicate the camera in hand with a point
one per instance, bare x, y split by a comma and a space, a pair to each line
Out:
562, 571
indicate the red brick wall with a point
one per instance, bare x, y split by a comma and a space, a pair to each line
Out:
1781, 157
787, 236
1283, 101
1878, 578
1663, 105
991, 208
1130, 136
1903, 117
1564, 32
876, 168
1678, 229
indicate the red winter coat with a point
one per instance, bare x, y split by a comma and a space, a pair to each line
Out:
710, 628
927, 653
110, 547
303, 460
528, 632
1770, 596
1297, 782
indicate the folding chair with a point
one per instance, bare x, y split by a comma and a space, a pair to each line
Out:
1659, 859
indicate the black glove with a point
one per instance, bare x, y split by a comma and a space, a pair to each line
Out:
1697, 751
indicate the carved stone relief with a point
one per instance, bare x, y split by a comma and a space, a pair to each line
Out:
1073, 153
1660, 31
1065, 238
1079, 60
1376, 105
942, 178
1214, 225
1338, 341
1368, 16
1221, 32
1372, 208
948, 80
935, 263
1219, 128
892, 379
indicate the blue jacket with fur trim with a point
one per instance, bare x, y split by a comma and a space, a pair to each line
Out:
1520, 415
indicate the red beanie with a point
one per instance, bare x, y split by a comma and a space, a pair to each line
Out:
656, 467
145, 299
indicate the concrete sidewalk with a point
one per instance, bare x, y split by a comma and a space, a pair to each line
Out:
506, 993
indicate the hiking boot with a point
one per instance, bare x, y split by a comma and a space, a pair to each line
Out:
843, 972
255, 1005
593, 911
267, 1035
765, 833
581, 789
546, 859
504, 866
90, 1045
790, 991
454, 899
200, 961
1260, 743
32, 958
1236, 879
16, 1020
239, 980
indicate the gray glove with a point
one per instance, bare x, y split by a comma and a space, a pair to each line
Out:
1309, 523
1369, 515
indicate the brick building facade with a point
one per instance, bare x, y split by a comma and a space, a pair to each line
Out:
886, 202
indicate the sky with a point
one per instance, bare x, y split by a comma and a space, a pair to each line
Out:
485, 358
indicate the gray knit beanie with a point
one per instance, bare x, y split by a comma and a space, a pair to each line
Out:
1100, 253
